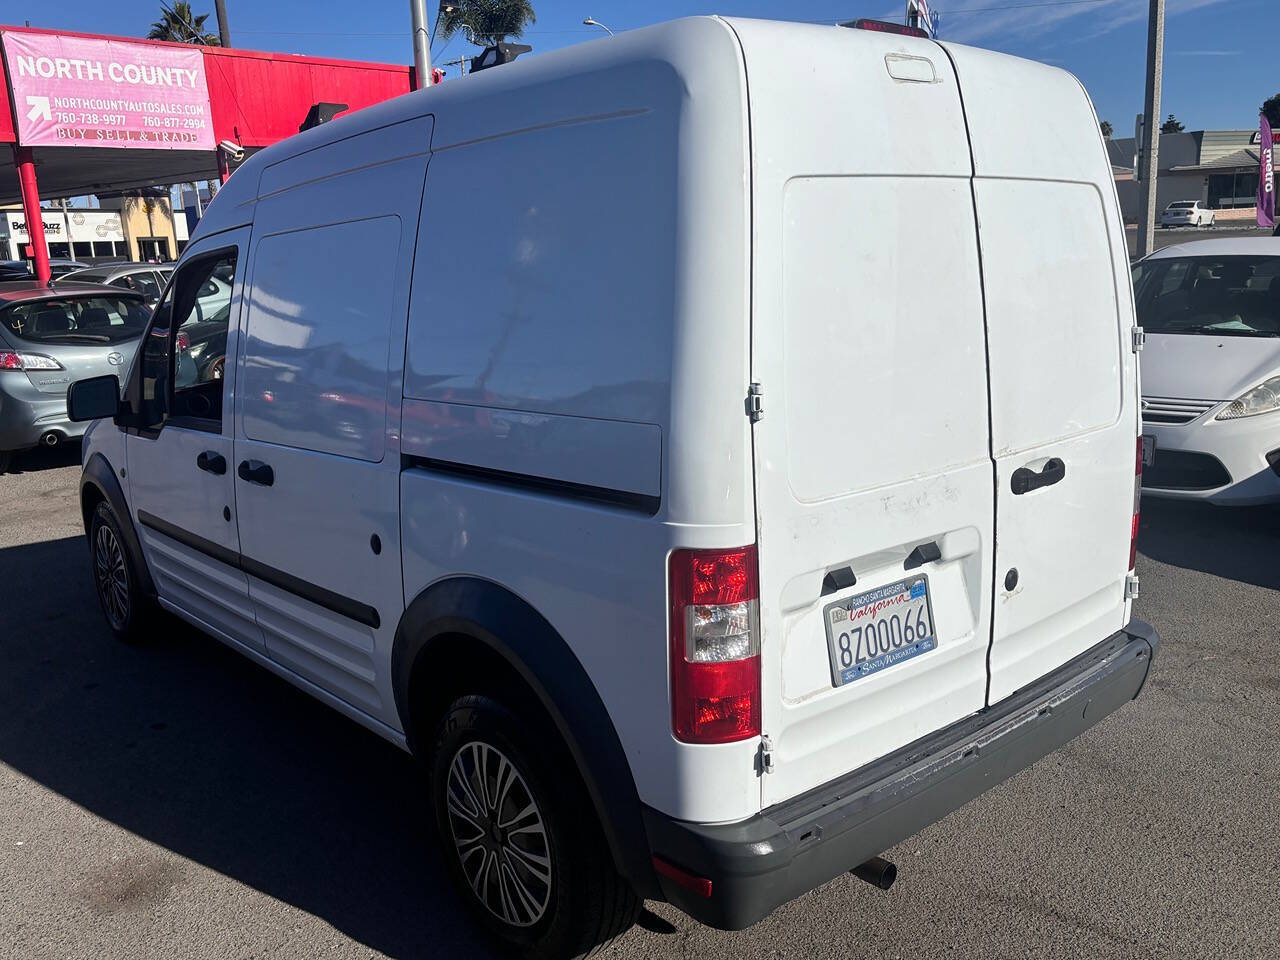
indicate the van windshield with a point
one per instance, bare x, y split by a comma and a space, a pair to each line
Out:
102, 319
1221, 296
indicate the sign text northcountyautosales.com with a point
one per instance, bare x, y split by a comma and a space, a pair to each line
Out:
80, 91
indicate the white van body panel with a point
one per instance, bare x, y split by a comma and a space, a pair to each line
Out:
320, 381
868, 341
602, 342
164, 483
1063, 371
679, 213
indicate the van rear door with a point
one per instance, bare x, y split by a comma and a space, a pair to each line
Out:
1063, 372
873, 473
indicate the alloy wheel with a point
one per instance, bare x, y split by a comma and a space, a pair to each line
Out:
111, 576
499, 834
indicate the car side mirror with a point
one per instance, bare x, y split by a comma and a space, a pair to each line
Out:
94, 399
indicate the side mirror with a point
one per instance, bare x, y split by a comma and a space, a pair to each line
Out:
93, 399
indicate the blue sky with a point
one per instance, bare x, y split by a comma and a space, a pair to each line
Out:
1222, 57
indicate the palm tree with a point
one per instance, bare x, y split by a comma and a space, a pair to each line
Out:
487, 21
179, 24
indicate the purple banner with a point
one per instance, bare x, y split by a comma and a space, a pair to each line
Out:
1266, 177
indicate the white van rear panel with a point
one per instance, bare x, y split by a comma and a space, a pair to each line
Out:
1063, 370
868, 342
919, 334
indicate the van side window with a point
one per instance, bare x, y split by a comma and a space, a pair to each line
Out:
184, 352
202, 302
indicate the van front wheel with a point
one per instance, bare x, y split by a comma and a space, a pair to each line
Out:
520, 838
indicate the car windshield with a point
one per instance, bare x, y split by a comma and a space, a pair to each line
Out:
100, 319
1220, 296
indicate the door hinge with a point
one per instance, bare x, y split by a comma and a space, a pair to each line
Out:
1131, 586
1139, 339
755, 402
766, 755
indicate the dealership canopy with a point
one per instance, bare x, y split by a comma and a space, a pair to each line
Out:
95, 114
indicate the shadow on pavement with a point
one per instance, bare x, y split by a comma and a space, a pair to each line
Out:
1236, 543
65, 454
186, 744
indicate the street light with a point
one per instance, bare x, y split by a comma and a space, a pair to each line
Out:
591, 22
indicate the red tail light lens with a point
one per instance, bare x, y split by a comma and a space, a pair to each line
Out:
715, 645
1137, 504
886, 26
183, 340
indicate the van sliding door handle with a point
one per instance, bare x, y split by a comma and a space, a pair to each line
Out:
1025, 479
211, 462
255, 471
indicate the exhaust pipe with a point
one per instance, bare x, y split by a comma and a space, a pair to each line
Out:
877, 871
51, 439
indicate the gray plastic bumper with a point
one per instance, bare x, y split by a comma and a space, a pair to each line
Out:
789, 849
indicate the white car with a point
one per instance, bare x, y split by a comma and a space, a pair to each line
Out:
1187, 213
703, 546
1211, 370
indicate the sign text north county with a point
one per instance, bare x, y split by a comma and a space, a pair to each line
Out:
78, 91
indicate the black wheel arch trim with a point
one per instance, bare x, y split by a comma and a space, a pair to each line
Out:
490, 614
97, 474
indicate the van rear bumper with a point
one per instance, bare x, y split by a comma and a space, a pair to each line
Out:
789, 849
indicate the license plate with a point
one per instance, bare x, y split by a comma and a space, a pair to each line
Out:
1148, 451
879, 629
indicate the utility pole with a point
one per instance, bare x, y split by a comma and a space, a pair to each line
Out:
421, 43
1150, 147
224, 31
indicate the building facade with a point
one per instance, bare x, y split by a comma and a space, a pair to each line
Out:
1217, 167
75, 233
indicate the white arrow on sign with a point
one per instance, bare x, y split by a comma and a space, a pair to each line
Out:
39, 108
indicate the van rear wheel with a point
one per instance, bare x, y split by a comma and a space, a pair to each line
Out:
520, 837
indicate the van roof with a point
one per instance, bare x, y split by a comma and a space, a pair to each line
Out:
513, 98
1225, 247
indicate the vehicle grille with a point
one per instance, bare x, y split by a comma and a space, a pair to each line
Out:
1168, 410
1179, 470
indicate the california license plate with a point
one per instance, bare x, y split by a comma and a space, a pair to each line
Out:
879, 629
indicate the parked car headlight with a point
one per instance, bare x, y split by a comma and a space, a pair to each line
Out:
1263, 398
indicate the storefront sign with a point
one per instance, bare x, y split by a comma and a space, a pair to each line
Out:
76, 91
1266, 176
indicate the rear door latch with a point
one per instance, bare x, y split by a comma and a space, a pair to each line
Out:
766, 755
755, 402
1139, 339
1131, 586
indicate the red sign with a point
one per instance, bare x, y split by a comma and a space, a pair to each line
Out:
76, 91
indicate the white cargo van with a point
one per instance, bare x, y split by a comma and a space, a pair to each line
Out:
751, 484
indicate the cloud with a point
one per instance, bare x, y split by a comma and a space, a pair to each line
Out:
970, 21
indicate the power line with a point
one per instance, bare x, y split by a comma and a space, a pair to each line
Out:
1024, 6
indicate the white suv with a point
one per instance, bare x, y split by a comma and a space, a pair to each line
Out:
745, 492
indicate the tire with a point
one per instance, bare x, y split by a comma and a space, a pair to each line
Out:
126, 609
5, 459
555, 893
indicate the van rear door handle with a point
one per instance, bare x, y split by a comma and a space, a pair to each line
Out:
212, 462
255, 471
1025, 479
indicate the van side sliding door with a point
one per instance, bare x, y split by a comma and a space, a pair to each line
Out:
317, 454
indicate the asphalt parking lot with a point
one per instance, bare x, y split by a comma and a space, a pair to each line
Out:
174, 800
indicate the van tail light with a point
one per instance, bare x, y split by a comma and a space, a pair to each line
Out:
886, 26
1137, 505
18, 360
715, 645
